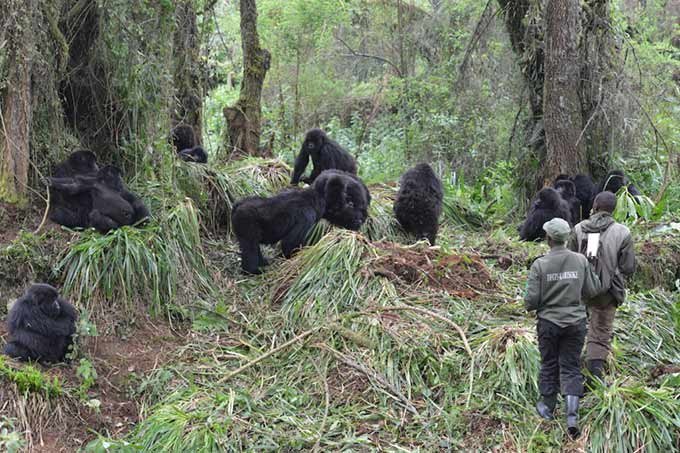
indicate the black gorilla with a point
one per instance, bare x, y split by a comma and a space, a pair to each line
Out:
287, 217
347, 198
72, 209
419, 202
182, 137
567, 191
547, 205
41, 325
616, 179
110, 204
326, 154
585, 192
195, 154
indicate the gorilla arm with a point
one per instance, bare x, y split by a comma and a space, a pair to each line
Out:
295, 239
301, 162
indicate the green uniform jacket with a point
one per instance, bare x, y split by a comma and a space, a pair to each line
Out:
558, 283
617, 255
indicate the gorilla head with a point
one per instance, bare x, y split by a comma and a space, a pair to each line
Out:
182, 137
41, 325
347, 198
326, 154
547, 205
80, 162
613, 182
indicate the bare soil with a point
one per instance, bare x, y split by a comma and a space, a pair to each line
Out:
459, 275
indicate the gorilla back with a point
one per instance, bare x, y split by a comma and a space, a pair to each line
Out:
41, 325
287, 217
326, 154
419, 202
347, 198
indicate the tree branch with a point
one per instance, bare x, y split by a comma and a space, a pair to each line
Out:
354, 53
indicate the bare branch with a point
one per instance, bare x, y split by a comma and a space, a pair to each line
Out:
354, 53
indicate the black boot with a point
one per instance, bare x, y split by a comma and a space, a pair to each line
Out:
572, 416
596, 369
546, 406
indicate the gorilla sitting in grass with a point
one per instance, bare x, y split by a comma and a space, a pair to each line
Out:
289, 216
419, 202
326, 154
67, 208
547, 205
183, 139
41, 325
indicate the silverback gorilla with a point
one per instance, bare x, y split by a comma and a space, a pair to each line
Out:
347, 198
41, 325
326, 154
290, 215
547, 205
419, 202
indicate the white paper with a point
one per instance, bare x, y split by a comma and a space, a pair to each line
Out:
593, 244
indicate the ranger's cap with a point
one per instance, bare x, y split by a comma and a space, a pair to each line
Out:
557, 229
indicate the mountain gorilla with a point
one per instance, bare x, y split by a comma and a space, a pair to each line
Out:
287, 217
110, 204
72, 209
567, 191
585, 192
41, 325
347, 198
547, 205
184, 141
326, 154
419, 202
616, 179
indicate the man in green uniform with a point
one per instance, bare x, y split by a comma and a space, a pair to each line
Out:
615, 259
558, 283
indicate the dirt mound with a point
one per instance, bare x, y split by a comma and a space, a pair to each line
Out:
459, 275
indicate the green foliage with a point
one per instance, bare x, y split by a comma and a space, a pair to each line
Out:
30, 379
10, 440
87, 375
630, 208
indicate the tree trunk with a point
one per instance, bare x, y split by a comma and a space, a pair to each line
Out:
15, 128
188, 90
243, 119
561, 103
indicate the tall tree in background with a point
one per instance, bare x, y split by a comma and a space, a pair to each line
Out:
562, 120
188, 90
16, 105
243, 119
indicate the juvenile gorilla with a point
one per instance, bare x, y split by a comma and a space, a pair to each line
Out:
419, 202
287, 217
41, 325
547, 205
111, 204
585, 192
72, 209
616, 179
347, 198
195, 154
567, 191
326, 154
182, 137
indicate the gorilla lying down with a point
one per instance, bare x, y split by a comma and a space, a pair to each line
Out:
326, 154
41, 325
419, 202
547, 205
96, 199
289, 216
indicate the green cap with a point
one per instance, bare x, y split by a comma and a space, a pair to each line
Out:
558, 229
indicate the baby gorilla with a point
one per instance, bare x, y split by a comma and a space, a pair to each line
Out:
287, 217
567, 191
347, 198
419, 202
326, 154
41, 325
547, 205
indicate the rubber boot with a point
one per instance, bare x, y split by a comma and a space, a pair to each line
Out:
596, 370
572, 416
546, 406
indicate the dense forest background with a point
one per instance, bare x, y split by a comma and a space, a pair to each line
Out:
361, 340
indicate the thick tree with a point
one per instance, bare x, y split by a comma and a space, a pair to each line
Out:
562, 120
16, 105
243, 118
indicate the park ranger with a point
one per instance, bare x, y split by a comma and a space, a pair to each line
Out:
558, 284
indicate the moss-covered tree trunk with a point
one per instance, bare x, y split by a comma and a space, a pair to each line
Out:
15, 127
188, 90
565, 152
243, 119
